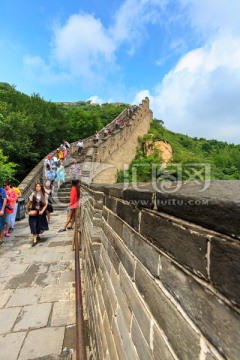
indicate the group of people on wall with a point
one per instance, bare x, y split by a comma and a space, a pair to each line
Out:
40, 204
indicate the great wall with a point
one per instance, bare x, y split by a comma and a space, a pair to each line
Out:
160, 269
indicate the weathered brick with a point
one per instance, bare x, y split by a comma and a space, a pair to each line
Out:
216, 320
140, 311
106, 260
97, 214
98, 200
121, 298
103, 337
95, 248
105, 213
114, 191
205, 208
100, 298
143, 349
125, 335
181, 335
115, 223
146, 253
225, 268
111, 203
107, 302
104, 241
118, 341
110, 340
187, 248
141, 199
160, 348
111, 294
128, 213
123, 254
113, 258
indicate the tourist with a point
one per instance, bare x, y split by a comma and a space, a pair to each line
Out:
105, 131
51, 175
75, 170
11, 199
48, 191
3, 202
35, 208
13, 218
117, 123
80, 147
73, 206
60, 178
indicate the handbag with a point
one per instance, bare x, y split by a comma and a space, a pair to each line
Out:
33, 213
9, 207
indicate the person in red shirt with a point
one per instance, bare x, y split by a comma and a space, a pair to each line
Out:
73, 206
11, 199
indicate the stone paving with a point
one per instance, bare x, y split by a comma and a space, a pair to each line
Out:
37, 293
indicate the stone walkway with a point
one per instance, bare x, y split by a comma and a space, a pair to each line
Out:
37, 293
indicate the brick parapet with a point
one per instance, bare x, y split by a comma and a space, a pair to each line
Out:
161, 275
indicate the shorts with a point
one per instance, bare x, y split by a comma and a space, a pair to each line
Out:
2, 222
8, 218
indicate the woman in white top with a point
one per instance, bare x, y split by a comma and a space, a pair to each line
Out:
38, 201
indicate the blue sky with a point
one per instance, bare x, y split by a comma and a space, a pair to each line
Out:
183, 54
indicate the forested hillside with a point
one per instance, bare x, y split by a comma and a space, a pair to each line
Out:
31, 127
193, 158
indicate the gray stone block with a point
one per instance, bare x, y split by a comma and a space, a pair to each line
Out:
115, 223
142, 347
125, 335
111, 203
182, 337
219, 323
187, 248
129, 214
225, 268
141, 199
110, 340
160, 348
105, 213
122, 300
205, 208
136, 304
123, 254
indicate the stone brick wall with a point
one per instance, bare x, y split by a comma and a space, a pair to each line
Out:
161, 271
115, 152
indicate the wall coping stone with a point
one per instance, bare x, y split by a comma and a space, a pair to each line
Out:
216, 208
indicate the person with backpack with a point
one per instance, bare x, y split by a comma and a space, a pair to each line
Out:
80, 147
65, 143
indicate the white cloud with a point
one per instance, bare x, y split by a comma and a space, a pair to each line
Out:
213, 15
200, 96
132, 18
85, 48
95, 99
83, 45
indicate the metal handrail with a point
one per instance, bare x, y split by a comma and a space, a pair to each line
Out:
80, 338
